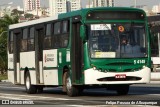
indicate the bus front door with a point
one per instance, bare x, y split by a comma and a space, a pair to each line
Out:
76, 54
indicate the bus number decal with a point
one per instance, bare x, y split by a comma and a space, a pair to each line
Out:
139, 61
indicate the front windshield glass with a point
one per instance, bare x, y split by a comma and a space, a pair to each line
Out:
117, 40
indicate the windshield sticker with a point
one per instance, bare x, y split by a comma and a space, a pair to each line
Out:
101, 27
105, 54
121, 28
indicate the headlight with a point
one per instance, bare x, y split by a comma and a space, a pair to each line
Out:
94, 68
144, 66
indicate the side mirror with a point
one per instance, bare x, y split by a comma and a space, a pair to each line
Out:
83, 32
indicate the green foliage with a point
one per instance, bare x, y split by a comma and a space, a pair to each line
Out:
27, 15
3, 77
5, 22
16, 12
3, 53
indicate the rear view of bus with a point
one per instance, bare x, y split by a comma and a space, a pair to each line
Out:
118, 48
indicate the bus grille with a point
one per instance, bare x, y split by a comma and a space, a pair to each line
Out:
128, 78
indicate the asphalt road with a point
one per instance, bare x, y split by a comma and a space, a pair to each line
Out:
54, 96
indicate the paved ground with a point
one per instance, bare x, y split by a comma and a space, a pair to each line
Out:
55, 96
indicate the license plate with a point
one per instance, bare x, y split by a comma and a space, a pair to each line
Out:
120, 76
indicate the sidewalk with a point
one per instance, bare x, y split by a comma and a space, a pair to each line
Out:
4, 80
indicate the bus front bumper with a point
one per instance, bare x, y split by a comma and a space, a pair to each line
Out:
96, 77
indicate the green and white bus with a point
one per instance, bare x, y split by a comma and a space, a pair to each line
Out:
81, 49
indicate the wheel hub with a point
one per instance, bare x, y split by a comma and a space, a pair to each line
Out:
27, 83
69, 85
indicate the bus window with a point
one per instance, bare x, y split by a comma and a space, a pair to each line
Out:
105, 40
47, 39
31, 39
65, 27
56, 36
65, 34
57, 28
24, 40
11, 42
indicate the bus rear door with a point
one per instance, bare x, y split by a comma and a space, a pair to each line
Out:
39, 53
16, 56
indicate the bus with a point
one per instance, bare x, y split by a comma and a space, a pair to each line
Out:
105, 47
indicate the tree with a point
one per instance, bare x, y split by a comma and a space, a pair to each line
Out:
28, 15
4, 23
16, 12
8, 20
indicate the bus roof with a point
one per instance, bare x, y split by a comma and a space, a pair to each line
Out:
70, 14
85, 10
33, 22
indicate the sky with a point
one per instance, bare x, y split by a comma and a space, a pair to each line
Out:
127, 3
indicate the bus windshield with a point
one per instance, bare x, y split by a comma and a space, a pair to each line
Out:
117, 40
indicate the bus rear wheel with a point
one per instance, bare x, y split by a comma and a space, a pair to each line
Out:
123, 90
70, 89
30, 89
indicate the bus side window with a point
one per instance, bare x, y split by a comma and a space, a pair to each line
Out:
65, 34
47, 38
24, 40
31, 39
56, 36
11, 42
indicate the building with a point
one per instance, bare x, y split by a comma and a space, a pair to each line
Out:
75, 4
63, 6
31, 5
41, 12
57, 6
156, 8
100, 3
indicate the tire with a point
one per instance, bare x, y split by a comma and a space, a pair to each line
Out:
123, 90
71, 90
30, 89
80, 90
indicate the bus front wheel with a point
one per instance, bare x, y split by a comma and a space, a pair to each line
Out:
70, 89
123, 90
31, 89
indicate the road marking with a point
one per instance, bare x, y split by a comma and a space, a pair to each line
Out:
36, 97
15, 87
12, 98
12, 87
154, 94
